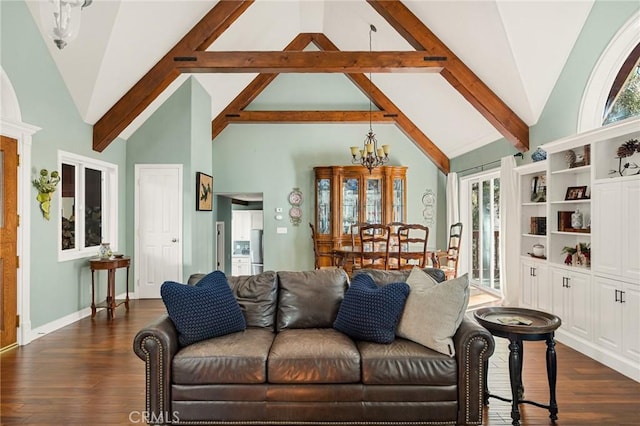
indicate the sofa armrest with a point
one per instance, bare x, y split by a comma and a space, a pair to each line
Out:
156, 344
474, 345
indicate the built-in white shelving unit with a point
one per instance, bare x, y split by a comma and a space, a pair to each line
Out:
599, 300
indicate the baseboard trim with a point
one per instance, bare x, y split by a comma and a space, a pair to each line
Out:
52, 326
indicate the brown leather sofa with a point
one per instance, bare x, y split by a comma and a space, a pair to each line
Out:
291, 367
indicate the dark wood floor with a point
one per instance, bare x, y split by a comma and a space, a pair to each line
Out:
87, 374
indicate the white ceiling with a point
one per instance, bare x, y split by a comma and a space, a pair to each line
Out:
518, 48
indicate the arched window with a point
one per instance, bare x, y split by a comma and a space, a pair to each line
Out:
614, 68
624, 97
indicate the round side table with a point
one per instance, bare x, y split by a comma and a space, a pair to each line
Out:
518, 325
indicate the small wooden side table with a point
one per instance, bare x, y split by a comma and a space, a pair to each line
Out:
110, 265
541, 327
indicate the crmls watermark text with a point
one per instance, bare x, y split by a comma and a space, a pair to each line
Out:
147, 417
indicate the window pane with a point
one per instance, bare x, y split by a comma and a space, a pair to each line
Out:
68, 206
93, 207
627, 101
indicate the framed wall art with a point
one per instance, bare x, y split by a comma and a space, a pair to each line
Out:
204, 192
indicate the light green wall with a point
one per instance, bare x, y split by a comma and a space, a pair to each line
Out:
179, 133
57, 288
273, 159
560, 115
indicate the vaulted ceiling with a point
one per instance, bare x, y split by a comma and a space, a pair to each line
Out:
487, 69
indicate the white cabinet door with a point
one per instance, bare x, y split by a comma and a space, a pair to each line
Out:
607, 314
630, 229
545, 302
631, 321
257, 219
528, 284
580, 304
241, 226
535, 285
605, 228
572, 301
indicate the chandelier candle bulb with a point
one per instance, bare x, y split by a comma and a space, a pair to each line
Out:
369, 147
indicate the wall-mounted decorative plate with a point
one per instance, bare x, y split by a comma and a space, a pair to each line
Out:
295, 197
295, 212
429, 202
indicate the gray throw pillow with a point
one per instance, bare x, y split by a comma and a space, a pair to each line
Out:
433, 312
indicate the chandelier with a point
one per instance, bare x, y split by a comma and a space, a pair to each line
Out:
370, 156
61, 19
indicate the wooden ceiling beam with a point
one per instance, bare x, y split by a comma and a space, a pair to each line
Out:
492, 108
253, 89
308, 62
385, 104
265, 117
163, 73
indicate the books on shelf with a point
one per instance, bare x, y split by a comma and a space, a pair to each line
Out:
538, 225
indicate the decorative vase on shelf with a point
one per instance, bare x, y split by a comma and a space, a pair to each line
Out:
539, 155
576, 219
104, 251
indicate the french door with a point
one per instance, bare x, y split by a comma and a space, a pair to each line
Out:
480, 206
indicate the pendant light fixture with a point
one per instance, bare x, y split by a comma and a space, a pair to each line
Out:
370, 156
61, 19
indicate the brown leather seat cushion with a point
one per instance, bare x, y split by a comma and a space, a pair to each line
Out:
404, 362
313, 356
234, 358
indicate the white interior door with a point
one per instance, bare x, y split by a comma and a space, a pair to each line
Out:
158, 225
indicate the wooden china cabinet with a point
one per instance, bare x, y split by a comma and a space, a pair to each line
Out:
350, 194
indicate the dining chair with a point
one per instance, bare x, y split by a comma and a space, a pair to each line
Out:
317, 254
355, 242
412, 246
374, 246
448, 260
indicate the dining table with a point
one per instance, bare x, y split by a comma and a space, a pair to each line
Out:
345, 255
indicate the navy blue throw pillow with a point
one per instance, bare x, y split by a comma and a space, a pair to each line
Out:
203, 311
369, 312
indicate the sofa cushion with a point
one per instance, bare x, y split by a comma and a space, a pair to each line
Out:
257, 296
369, 312
310, 299
207, 310
382, 277
433, 312
404, 362
235, 358
313, 356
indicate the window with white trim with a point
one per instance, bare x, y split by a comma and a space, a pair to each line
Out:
88, 206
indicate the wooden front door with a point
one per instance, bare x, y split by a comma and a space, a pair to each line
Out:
8, 241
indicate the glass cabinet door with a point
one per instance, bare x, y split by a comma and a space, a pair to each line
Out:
324, 206
398, 200
350, 203
373, 207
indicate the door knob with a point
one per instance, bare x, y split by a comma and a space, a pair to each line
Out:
174, 240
